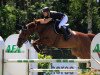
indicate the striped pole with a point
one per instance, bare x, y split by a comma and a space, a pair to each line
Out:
55, 70
47, 60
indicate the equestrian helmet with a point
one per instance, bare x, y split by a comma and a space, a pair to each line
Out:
45, 9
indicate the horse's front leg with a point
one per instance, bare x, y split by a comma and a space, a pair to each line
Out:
36, 46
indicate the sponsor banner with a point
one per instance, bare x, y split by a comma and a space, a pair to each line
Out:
95, 52
64, 66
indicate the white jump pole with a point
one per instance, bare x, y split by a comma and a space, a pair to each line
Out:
55, 70
3, 62
46, 60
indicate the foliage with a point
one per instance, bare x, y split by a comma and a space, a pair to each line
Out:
43, 65
7, 18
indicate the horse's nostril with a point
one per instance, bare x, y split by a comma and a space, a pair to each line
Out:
19, 45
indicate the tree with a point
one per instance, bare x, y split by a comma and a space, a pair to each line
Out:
89, 17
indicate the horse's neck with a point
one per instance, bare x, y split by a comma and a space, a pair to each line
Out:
48, 34
45, 27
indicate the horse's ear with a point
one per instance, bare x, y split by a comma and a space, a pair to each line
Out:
24, 27
20, 31
34, 19
24, 30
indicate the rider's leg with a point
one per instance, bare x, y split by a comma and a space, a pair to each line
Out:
63, 27
63, 21
65, 35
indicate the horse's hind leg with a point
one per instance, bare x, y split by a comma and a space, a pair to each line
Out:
75, 52
81, 53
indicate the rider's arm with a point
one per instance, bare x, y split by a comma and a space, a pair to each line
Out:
45, 21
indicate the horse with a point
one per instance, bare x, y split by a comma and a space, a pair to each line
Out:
78, 42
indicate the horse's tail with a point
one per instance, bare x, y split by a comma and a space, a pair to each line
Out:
91, 36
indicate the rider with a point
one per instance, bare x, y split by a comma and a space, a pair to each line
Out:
53, 15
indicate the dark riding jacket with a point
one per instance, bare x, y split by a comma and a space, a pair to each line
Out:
55, 15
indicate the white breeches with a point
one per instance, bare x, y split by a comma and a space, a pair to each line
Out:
63, 21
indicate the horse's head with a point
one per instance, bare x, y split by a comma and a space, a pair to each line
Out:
23, 36
25, 33
29, 29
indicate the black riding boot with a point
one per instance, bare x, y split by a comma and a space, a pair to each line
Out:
65, 34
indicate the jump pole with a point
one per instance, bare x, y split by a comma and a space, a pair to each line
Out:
3, 62
28, 64
46, 60
55, 70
